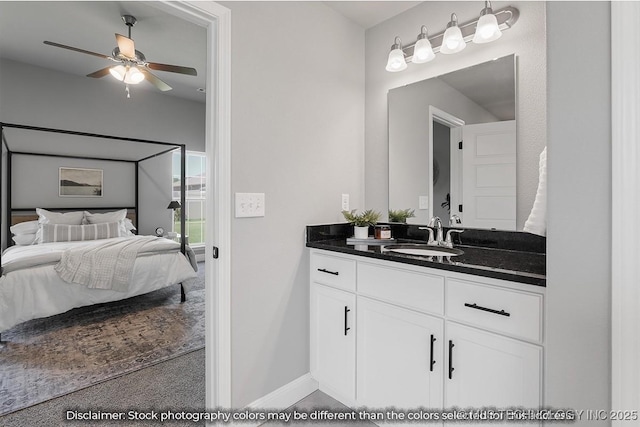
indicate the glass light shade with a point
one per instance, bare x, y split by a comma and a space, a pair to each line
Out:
118, 72
396, 61
487, 29
134, 76
422, 52
452, 41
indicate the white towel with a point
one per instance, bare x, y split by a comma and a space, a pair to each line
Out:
537, 221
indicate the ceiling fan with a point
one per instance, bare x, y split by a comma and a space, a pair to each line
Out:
132, 66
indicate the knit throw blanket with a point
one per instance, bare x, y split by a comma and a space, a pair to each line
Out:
107, 266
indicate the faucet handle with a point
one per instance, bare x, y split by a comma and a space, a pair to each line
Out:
449, 241
455, 220
431, 241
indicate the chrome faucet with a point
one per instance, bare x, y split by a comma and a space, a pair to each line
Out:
436, 223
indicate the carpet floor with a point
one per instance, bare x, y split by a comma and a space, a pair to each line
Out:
46, 358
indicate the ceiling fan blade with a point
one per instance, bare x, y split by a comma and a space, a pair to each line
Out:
172, 68
75, 49
155, 81
100, 73
126, 46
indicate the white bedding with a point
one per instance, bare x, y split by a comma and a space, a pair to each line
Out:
30, 288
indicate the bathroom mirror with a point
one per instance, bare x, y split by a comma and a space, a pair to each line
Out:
452, 146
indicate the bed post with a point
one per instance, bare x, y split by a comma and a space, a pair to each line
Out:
137, 201
183, 199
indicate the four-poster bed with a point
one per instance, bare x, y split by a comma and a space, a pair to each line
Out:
76, 255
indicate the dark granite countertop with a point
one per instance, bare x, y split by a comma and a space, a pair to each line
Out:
487, 253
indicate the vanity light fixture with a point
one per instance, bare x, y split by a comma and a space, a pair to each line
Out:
423, 52
487, 28
396, 60
452, 41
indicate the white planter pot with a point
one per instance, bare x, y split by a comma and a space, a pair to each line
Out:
360, 232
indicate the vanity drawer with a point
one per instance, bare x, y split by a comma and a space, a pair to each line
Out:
333, 271
420, 291
502, 310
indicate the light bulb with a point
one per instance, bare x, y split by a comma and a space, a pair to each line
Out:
396, 61
452, 42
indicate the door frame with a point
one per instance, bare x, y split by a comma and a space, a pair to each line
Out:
625, 251
455, 124
217, 20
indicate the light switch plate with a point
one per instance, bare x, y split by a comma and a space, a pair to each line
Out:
345, 202
250, 205
423, 202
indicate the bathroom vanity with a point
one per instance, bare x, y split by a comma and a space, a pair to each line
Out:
436, 332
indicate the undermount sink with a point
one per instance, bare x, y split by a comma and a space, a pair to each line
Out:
423, 250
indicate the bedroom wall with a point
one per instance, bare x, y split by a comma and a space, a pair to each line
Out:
526, 40
34, 96
298, 136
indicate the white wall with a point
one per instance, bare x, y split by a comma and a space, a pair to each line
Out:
297, 136
38, 97
526, 40
578, 301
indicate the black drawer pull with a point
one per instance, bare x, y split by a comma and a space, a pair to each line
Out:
346, 328
490, 310
433, 362
322, 270
451, 369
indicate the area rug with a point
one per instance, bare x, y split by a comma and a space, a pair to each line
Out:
47, 358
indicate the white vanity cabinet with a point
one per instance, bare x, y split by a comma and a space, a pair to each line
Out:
423, 337
333, 352
399, 356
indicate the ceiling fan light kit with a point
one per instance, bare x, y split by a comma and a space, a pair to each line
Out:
133, 67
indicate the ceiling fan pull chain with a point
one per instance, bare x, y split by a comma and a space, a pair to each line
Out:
126, 88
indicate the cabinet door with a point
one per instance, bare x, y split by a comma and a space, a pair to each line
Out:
333, 343
490, 370
399, 357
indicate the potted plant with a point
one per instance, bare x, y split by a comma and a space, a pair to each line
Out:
401, 215
361, 221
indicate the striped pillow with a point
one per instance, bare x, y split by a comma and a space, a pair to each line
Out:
69, 233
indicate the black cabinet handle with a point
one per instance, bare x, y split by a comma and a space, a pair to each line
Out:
322, 270
490, 310
451, 369
346, 328
432, 362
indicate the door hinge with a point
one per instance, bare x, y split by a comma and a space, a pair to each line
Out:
215, 252
459, 208
460, 145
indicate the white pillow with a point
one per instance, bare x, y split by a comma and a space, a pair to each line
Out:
69, 218
27, 227
99, 218
24, 239
69, 233
129, 227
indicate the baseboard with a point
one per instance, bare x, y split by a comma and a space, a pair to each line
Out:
284, 397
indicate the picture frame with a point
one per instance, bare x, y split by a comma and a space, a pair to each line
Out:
80, 182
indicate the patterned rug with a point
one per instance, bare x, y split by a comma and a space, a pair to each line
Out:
46, 358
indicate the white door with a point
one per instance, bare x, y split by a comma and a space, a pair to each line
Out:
400, 357
489, 175
490, 370
333, 343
